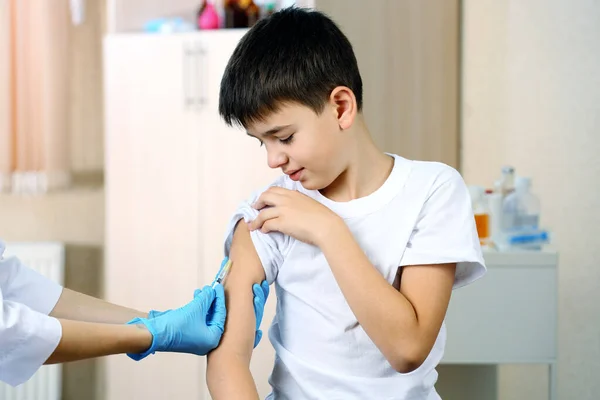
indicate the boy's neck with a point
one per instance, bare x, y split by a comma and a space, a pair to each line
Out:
367, 169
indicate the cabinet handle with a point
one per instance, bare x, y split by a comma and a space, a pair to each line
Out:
188, 100
199, 72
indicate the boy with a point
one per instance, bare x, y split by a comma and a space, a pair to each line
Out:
364, 247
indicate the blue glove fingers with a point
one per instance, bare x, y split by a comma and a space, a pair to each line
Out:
257, 337
220, 310
259, 309
259, 304
261, 292
265, 288
207, 296
155, 314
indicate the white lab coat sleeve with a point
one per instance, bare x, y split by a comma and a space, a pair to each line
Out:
28, 336
23, 285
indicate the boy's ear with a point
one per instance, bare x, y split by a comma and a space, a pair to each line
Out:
343, 103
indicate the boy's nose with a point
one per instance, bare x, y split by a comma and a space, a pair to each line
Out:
276, 159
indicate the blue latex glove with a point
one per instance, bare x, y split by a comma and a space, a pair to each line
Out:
154, 313
261, 293
195, 328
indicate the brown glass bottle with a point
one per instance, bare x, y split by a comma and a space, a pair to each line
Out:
240, 13
252, 11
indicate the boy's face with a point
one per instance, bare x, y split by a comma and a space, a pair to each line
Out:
308, 147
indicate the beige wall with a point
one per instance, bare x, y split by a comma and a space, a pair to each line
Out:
408, 55
5, 109
531, 98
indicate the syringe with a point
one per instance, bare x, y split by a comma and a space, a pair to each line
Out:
220, 278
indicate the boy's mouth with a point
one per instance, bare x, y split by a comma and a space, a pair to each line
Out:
295, 175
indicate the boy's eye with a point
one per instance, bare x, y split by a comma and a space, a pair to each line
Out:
287, 140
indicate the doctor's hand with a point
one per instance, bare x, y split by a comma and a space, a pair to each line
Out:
195, 328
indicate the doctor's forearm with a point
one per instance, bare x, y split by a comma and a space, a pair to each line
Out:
80, 307
83, 340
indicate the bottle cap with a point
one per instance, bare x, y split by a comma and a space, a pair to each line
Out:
507, 169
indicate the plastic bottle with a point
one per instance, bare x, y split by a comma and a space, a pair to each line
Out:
208, 18
507, 180
521, 208
234, 15
521, 211
481, 212
267, 7
252, 11
494, 202
240, 13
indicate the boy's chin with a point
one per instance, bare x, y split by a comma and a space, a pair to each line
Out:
314, 184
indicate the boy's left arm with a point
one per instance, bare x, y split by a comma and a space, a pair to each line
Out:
403, 324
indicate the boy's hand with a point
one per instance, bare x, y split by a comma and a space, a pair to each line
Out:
294, 214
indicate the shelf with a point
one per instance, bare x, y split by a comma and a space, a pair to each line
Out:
545, 257
190, 34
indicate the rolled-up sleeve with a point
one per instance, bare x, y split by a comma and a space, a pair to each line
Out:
28, 336
272, 247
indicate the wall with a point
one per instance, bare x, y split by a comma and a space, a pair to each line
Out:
5, 91
531, 98
86, 122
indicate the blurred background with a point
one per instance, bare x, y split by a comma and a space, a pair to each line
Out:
112, 151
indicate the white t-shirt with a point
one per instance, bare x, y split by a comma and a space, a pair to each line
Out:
421, 215
28, 336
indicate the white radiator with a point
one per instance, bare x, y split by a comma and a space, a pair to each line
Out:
47, 258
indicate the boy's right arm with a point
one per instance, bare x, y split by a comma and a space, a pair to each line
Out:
228, 372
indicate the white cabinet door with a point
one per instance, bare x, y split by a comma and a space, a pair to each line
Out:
151, 203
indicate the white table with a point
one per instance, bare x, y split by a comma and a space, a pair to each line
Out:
509, 316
